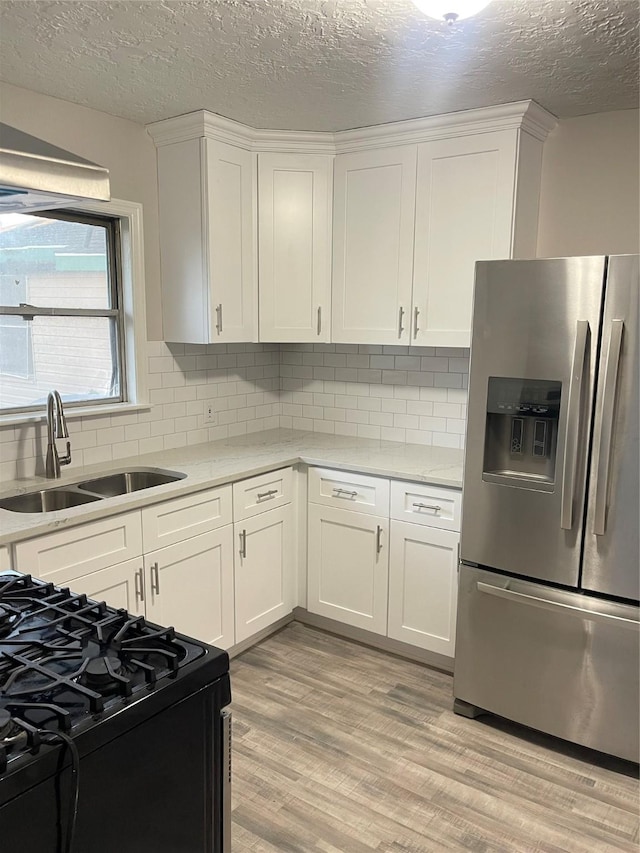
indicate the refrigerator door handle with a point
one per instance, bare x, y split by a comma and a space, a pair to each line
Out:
606, 429
572, 435
547, 604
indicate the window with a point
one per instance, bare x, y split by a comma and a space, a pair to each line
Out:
62, 322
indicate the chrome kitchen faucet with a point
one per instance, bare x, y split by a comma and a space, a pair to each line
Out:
56, 428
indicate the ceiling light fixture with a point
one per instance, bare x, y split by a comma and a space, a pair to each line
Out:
451, 10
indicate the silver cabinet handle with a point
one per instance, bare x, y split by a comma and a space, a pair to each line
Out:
548, 604
434, 507
345, 492
416, 314
606, 426
572, 434
243, 543
139, 585
378, 539
155, 579
400, 323
219, 318
319, 326
262, 495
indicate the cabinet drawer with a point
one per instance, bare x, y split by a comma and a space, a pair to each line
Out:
172, 521
349, 491
258, 494
67, 554
423, 504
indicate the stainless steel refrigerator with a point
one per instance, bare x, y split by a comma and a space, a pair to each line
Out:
548, 617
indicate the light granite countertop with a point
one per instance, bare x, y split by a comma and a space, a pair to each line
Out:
219, 462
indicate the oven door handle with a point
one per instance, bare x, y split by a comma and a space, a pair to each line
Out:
226, 720
556, 606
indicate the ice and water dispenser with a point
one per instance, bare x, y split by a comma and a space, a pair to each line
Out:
521, 432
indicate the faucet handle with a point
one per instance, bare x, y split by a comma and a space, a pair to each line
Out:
66, 459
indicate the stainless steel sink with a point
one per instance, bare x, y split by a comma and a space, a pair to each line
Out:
98, 488
46, 500
128, 481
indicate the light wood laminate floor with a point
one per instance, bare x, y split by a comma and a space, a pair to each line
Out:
344, 749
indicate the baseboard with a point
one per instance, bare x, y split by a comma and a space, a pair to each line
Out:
261, 635
367, 638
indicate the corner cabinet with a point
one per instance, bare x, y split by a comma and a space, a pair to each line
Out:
294, 247
373, 217
207, 218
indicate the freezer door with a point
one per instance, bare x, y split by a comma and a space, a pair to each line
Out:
612, 553
560, 662
533, 353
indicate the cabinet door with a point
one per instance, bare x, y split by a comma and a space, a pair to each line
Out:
348, 567
294, 246
189, 585
423, 586
120, 586
374, 201
229, 199
464, 214
264, 570
5, 559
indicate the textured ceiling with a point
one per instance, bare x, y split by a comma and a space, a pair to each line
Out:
320, 64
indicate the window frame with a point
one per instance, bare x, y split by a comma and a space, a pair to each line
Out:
131, 312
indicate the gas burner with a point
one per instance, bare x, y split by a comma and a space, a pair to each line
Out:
103, 667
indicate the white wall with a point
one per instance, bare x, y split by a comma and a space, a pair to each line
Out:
590, 194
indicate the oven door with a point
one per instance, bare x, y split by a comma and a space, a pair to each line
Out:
561, 662
162, 787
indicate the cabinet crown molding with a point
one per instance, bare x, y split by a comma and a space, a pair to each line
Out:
525, 115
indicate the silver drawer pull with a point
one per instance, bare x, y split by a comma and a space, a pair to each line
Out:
262, 495
219, 318
139, 585
243, 544
155, 579
434, 507
344, 493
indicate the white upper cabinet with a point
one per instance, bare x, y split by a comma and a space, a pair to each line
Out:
415, 205
294, 246
207, 210
466, 206
374, 205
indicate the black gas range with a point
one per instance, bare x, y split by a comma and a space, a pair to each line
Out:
113, 731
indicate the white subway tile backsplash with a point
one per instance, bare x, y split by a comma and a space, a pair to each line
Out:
395, 393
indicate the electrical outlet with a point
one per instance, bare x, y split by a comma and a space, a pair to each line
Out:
210, 416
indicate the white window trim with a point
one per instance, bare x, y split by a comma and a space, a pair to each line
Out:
134, 308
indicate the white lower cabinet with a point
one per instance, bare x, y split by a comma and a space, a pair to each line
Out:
391, 568
190, 585
120, 586
264, 570
423, 586
348, 567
